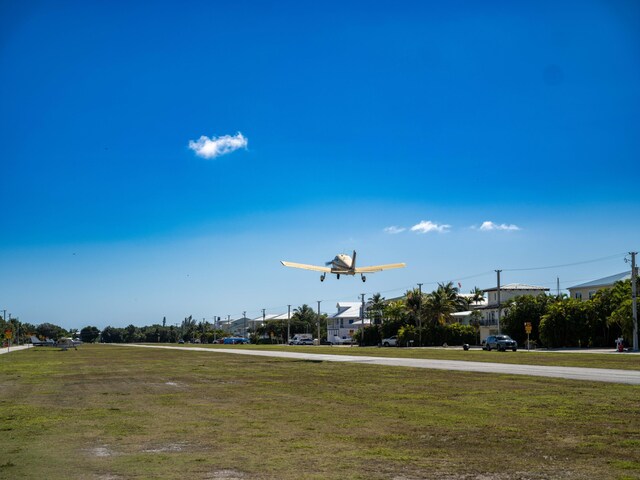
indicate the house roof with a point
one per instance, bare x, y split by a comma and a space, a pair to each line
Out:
605, 281
269, 316
347, 310
516, 286
466, 313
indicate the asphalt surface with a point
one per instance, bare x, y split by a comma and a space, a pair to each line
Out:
15, 348
630, 377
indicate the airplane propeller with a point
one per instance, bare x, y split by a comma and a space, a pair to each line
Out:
330, 262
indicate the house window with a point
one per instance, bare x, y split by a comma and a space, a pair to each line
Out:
579, 295
350, 322
591, 294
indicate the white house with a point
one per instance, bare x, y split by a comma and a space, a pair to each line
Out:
346, 321
586, 291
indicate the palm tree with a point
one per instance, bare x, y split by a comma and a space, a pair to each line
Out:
395, 311
375, 309
395, 314
414, 303
304, 313
305, 317
477, 295
444, 301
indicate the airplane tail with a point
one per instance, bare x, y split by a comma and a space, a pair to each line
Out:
353, 261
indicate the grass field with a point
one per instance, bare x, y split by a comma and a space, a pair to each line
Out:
110, 412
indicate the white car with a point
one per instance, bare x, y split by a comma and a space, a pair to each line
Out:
390, 342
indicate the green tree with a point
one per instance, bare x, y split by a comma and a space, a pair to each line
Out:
567, 323
474, 321
188, 328
112, 335
521, 309
49, 330
375, 309
89, 334
303, 319
622, 317
395, 313
414, 303
132, 334
606, 302
477, 295
444, 301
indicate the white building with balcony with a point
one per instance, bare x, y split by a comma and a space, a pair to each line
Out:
346, 321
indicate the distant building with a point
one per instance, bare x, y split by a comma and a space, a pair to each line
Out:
586, 291
346, 321
239, 326
489, 322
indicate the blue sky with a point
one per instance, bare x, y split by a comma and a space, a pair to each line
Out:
357, 118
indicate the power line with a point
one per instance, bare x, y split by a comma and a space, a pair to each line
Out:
564, 265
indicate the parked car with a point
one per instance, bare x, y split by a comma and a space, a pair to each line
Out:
304, 341
500, 343
235, 341
390, 342
295, 340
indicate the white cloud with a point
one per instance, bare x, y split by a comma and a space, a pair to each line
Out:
488, 226
429, 226
393, 230
213, 147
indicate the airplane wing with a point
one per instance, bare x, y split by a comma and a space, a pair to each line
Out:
379, 268
306, 267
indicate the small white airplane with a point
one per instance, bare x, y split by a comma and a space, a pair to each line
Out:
343, 264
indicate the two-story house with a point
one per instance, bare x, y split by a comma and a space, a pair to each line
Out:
493, 310
346, 321
586, 291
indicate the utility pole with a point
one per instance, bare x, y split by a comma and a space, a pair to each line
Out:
244, 321
229, 324
558, 287
499, 304
319, 321
288, 323
362, 319
634, 308
420, 317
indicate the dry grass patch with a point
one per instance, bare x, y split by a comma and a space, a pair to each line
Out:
116, 412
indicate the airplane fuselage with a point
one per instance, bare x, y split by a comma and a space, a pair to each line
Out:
342, 264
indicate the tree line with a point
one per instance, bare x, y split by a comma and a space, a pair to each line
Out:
557, 321
419, 319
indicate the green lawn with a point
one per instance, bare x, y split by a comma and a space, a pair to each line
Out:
622, 361
110, 413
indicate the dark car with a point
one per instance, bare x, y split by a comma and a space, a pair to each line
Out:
500, 343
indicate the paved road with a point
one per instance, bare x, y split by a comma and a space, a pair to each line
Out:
15, 348
631, 377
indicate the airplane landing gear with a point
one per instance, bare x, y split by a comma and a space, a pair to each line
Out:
338, 275
322, 277
364, 279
